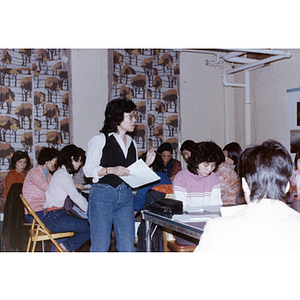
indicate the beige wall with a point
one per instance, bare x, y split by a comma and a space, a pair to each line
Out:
209, 111
89, 71
268, 96
202, 99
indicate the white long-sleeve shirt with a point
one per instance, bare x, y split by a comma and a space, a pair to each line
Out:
62, 185
94, 153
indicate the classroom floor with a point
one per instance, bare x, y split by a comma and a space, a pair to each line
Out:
5, 247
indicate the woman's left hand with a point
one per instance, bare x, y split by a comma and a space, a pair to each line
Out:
150, 157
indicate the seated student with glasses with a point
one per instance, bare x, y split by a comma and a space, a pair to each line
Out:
266, 224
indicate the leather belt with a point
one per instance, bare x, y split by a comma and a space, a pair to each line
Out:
52, 208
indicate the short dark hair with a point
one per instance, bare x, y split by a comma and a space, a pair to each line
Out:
234, 150
158, 163
17, 156
47, 154
187, 145
267, 169
64, 157
114, 113
207, 151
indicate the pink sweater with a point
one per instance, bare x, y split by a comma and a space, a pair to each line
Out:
195, 190
34, 188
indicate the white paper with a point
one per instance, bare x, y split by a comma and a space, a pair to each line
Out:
185, 218
140, 174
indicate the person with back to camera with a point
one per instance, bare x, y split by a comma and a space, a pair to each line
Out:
62, 185
266, 224
186, 148
37, 181
110, 199
19, 164
171, 165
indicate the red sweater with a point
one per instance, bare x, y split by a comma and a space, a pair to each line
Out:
12, 177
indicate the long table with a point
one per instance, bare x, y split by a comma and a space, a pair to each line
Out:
190, 229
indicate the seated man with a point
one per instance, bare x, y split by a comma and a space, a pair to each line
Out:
266, 224
37, 181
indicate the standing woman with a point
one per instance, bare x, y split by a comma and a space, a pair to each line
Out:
110, 199
20, 163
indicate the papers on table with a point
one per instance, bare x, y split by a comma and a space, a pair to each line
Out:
185, 218
140, 174
198, 214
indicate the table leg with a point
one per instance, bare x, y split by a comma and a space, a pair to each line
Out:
148, 236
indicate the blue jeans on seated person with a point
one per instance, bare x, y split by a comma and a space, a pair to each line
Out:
107, 206
59, 221
40, 214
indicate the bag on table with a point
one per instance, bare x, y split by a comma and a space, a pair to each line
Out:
166, 207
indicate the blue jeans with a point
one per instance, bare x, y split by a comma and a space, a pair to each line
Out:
59, 221
107, 206
40, 214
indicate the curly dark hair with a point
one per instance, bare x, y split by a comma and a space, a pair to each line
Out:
17, 156
114, 113
205, 152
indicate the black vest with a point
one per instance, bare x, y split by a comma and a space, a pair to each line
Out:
112, 156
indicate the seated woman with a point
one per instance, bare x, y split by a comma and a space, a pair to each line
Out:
230, 183
20, 163
232, 152
157, 166
198, 185
171, 166
186, 148
62, 185
37, 181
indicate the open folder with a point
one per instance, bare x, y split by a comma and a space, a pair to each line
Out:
140, 174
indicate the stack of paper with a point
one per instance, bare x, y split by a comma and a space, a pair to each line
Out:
140, 174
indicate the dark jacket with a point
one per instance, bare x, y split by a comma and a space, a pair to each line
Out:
14, 217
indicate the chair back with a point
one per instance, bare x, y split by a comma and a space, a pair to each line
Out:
34, 215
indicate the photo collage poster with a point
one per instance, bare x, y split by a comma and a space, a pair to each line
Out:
150, 78
34, 103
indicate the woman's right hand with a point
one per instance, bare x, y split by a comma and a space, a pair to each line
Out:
119, 171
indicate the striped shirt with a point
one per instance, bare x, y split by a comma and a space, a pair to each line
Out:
195, 190
34, 188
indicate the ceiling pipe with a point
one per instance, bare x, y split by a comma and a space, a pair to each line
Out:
249, 64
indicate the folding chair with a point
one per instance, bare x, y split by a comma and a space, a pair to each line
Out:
39, 232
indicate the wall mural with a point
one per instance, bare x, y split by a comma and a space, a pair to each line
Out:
34, 103
150, 78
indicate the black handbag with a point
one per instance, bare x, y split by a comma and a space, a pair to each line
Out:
167, 207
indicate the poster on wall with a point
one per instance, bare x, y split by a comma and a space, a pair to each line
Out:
293, 120
34, 100
150, 78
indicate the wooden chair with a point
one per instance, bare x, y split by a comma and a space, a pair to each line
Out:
39, 232
176, 247
173, 245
